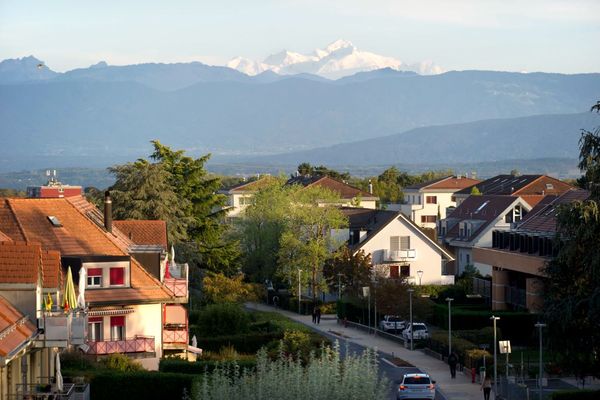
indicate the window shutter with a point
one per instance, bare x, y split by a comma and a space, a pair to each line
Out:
94, 272
405, 243
395, 243
117, 321
117, 276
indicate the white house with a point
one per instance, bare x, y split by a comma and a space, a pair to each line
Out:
398, 247
425, 202
472, 223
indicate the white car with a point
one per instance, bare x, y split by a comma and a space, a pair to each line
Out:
416, 386
391, 323
419, 331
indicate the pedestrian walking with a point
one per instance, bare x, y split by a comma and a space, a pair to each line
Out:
314, 315
486, 386
452, 361
318, 311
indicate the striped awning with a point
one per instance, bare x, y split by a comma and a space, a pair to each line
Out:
109, 311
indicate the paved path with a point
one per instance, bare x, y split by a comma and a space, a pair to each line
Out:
460, 388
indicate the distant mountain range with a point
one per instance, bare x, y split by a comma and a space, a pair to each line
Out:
104, 114
340, 58
540, 136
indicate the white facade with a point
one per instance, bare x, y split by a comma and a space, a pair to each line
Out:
401, 248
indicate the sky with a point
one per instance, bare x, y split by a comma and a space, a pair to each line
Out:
509, 35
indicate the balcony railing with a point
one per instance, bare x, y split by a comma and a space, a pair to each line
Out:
137, 344
400, 255
64, 329
175, 335
179, 287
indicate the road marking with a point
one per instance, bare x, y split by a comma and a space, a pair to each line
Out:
389, 362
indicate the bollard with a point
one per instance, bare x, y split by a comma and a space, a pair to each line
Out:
473, 375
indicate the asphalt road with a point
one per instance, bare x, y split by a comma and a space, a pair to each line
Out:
393, 373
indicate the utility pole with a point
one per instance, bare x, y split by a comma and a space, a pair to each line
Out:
410, 292
299, 292
494, 318
541, 326
449, 300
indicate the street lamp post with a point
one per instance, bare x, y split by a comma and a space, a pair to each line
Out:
410, 292
299, 292
449, 300
339, 285
420, 273
541, 326
494, 318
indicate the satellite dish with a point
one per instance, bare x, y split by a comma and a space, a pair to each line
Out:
40, 66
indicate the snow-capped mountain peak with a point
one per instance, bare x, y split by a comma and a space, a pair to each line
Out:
336, 60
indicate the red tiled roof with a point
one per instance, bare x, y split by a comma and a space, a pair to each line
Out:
144, 232
21, 262
445, 183
19, 329
250, 187
4, 238
344, 190
79, 235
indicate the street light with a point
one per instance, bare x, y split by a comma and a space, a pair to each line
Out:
410, 292
494, 318
541, 326
420, 273
299, 292
449, 300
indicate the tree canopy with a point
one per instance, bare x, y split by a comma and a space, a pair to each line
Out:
178, 189
572, 298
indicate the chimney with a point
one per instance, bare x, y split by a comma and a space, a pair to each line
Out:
370, 187
107, 211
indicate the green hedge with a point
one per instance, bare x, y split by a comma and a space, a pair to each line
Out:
248, 343
140, 385
200, 366
518, 327
576, 395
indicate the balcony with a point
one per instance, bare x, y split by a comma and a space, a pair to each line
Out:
175, 329
62, 330
137, 344
175, 337
401, 255
178, 282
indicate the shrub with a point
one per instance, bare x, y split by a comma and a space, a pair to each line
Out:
120, 362
143, 385
77, 361
327, 377
222, 319
296, 341
576, 395
438, 342
473, 358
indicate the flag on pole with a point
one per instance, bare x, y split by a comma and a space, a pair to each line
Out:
48, 303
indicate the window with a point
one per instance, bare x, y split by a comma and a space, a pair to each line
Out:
468, 257
461, 232
244, 201
117, 328
94, 278
394, 243
549, 186
428, 219
54, 221
117, 276
431, 199
405, 271
404, 242
394, 272
95, 329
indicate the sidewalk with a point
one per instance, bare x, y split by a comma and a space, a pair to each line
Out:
460, 388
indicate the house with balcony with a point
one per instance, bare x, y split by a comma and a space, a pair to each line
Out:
517, 256
471, 225
399, 249
125, 301
531, 188
31, 332
425, 203
240, 196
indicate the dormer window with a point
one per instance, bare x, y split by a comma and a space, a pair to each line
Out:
117, 276
94, 278
549, 186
